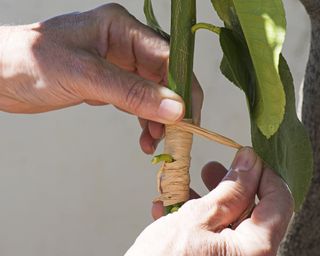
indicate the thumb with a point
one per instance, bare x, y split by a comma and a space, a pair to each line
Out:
138, 96
236, 192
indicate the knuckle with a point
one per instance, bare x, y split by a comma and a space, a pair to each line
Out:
110, 10
199, 214
137, 95
116, 10
112, 7
116, 7
237, 195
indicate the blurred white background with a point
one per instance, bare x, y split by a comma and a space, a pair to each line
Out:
75, 182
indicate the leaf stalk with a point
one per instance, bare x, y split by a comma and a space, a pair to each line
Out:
208, 26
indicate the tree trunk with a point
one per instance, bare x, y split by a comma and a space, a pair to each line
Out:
304, 235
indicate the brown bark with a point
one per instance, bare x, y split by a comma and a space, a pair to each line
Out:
304, 235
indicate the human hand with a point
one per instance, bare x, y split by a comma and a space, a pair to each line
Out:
103, 56
202, 226
153, 132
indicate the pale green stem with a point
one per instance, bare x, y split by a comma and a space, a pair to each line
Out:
162, 158
183, 17
207, 26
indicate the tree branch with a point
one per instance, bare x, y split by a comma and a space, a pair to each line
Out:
312, 7
303, 236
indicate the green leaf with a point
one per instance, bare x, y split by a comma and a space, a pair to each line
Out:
288, 151
227, 13
260, 25
224, 9
236, 64
152, 20
263, 24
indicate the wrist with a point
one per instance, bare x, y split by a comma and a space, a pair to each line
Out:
5, 32
16, 63
16, 49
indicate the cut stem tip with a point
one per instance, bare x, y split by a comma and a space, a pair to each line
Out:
162, 158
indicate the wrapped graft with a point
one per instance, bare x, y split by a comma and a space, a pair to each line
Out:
173, 178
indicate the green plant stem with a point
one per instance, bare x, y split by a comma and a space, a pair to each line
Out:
162, 158
183, 17
207, 26
172, 208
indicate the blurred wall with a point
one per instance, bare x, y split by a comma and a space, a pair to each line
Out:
74, 182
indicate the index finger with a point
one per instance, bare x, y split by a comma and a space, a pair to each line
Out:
134, 46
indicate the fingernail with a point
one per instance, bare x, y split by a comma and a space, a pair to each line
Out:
170, 110
244, 160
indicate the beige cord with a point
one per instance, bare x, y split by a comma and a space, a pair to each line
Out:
173, 178
189, 127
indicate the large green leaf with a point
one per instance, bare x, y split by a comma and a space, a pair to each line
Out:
261, 26
152, 20
288, 151
237, 66
224, 10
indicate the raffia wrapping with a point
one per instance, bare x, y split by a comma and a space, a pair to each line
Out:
173, 178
